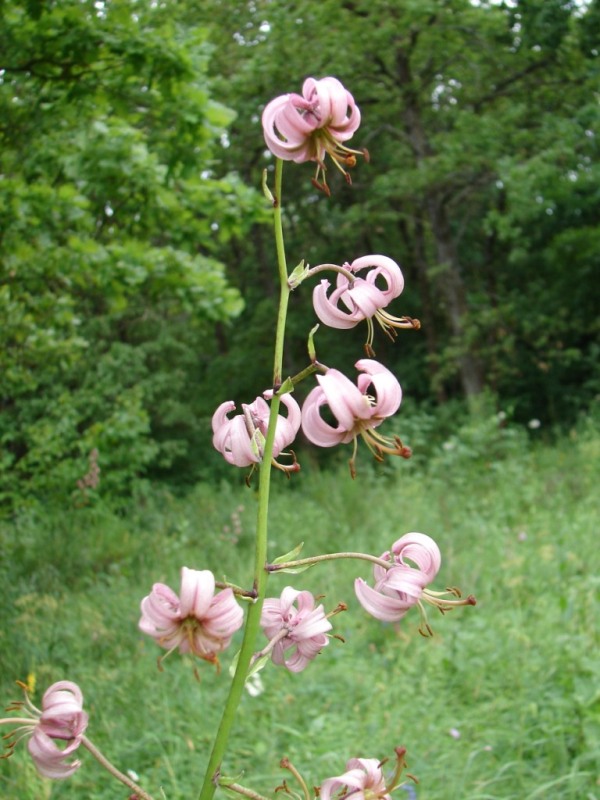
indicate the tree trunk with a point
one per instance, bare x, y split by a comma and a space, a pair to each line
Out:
448, 279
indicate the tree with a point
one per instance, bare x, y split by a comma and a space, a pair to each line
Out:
115, 209
458, 99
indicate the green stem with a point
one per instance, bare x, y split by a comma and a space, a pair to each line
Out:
213, 770
284, 291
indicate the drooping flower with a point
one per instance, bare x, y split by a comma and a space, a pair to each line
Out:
198, 621
309, 126
61, 719
363, 780
402, 586
295, 628
363, 298
241, 439
358, 410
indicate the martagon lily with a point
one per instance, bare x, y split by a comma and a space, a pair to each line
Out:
363, 298
198, 621
402, 586
309, 126
358, 410
61, 719
364, 780
241, 439
296, 628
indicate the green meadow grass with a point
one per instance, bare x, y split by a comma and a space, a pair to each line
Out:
502, 703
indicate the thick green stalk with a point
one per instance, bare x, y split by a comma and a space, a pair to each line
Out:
260, 558
284, 291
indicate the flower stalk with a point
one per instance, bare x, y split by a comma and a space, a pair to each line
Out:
252, 627
140, 793
284, 291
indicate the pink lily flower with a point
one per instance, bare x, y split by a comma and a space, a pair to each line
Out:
358, 410
241, 439
363, 780
402, 586
309, 126
295, 628
363, 298
198, 621
61, 718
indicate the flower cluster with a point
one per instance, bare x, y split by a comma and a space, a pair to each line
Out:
309, 126
198, 621
201, 620
61, 719
357, 409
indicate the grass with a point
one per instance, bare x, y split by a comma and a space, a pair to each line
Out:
502, 704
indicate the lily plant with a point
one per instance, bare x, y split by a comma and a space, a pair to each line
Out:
203, 619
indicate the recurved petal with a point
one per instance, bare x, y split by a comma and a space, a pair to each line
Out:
62, 715
260, 412
271, 619
387, 388
313, 625
292, 124
196, 592
61, 691
314, 426
378, 266
287, 427
367, 772
295, 662
52, 762
224, 617
219, 418
306, 603
422, 551
287, 600
236, 446
346, 401
378, 605
337, 108
328, 310
286, 132
408, 583
366, 298
160, 610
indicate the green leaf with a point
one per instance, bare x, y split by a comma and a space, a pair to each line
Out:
291, 556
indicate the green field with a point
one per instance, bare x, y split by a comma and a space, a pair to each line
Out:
503, 703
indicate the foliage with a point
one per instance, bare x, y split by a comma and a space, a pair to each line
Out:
125, 202
509, 695
114, 208
484, 120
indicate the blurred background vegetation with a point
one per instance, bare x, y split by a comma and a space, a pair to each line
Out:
138, 287
138, 280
